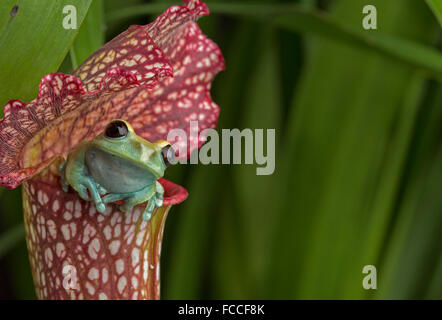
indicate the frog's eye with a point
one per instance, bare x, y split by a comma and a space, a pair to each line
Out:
116, 129
168, 155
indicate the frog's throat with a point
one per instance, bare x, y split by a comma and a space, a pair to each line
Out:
158, 173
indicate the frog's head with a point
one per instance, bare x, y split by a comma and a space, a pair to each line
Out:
120, 140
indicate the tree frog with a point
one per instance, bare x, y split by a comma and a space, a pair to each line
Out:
119, 165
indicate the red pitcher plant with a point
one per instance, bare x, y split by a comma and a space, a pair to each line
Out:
157, 77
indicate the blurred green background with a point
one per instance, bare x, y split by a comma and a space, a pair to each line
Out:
358, 118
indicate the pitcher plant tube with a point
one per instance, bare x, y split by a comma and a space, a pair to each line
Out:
156, 77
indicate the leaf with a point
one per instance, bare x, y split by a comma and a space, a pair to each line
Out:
91, 35
11, 214
8, 11
33, 44
257, 196
235, 276
411, 52
185, 261
413, 250
436, 7
10, 238
349, 132
195, 225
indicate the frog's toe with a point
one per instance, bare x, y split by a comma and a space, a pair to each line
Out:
147, 215
101, 190
158, 201
82, 192
101, 207
149, 209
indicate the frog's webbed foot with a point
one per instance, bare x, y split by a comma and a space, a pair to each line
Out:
159, 194
82, 192
152, 193
155, 201
130, 199
101, 190
79, 187
85, 183
147, 214
150, 207
91, 186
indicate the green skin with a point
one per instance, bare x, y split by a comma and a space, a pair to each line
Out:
125, 168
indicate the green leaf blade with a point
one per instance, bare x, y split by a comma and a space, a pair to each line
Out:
436, 7
33, 44
10, 238
91, 35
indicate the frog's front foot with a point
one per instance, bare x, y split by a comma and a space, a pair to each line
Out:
152, 193
155, 201
147, 214
102, 191
83, 184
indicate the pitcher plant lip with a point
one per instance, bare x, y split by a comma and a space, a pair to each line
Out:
157, 77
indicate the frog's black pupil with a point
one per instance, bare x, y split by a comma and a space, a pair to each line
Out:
116, 129
168, 154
